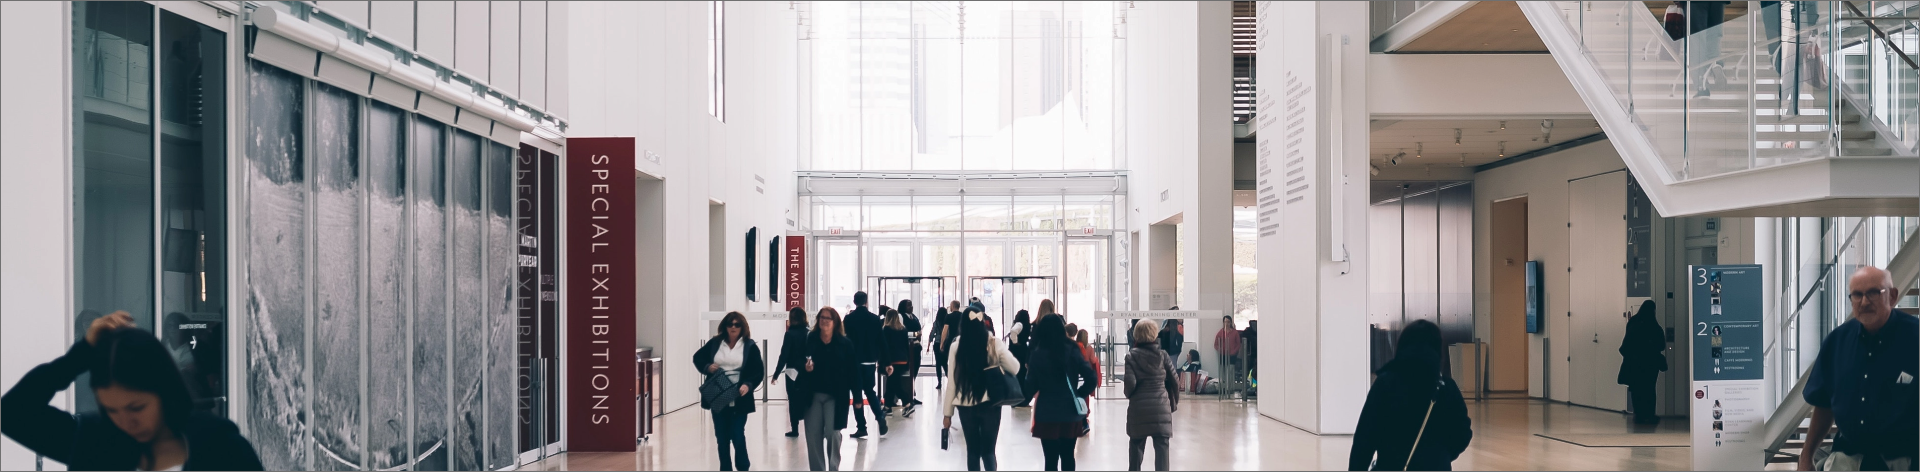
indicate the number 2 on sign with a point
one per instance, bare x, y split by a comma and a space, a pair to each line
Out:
1703, 329
1702, 275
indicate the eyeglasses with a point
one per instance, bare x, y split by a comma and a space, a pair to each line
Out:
1869, 293
735, 324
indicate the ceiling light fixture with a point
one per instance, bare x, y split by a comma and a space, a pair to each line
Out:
1546, 131
1418, 149
1503, 124
1456, 136
1503, 149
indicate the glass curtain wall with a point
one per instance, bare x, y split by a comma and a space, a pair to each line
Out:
1815, 257
379, 260
135, 66
1063, 236
947, 85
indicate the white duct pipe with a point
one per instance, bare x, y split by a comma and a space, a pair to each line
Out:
382, 63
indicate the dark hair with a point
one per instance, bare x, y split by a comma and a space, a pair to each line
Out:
746, 329
1418, 352
798, 317
860, 298
1051, 333
906, 307
971, 358
839, 328
1026, 334
134, 359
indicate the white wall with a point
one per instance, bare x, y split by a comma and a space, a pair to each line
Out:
1543, 180
639, 69
34, 201
508, 45
1466, 85
1180, 141
1314, 129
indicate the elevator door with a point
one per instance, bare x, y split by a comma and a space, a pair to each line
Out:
1597, 247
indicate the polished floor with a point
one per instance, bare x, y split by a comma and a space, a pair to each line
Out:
1209, 434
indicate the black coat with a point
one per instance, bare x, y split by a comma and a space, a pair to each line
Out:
752, 369
833, 374
1643, 350
1391, 419
863, 328
90, 441
1059, 374
793, 350
897, 347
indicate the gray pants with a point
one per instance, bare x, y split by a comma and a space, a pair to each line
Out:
1137, 450
823, 440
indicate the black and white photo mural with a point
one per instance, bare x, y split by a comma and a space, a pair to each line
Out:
379, 284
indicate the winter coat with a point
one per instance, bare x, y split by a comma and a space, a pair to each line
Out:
1153, 391
1059, 374
1395, 408
863, 328
833, 374
896, 347
752, 369
1643, 350
793, 351
1171, 340
90, 441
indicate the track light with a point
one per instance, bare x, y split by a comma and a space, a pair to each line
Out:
1503, 125
1456, 136
1418, 149
1546, 131
1503, 149
1373, 169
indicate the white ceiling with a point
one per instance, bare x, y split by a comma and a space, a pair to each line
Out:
1431, 142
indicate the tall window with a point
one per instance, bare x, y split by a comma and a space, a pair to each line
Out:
717, 60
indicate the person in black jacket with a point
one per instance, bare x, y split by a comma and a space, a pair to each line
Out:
732, 353
896, 355
863, 328
915, 332
1062, 377
793, 353
1412, 410
146, 419
1642, 359
827, 376
1020, 343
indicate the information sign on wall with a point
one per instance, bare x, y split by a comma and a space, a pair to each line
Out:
1727, 326
600, 303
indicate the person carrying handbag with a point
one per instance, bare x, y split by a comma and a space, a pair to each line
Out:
731, 361
1414, 417
1062, 379
981, 373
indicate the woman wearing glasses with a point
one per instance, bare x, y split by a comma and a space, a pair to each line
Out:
733, 353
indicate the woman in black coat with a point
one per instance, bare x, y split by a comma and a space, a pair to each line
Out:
827, 375
1642, 358
1062, 377
133, 377
1412, 409
732, 353
793, 353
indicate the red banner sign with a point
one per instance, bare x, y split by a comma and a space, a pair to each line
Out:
796, 281
600, 298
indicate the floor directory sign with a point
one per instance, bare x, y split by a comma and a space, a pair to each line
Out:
1729, 410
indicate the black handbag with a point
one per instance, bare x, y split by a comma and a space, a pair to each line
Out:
1003, 389
718, 392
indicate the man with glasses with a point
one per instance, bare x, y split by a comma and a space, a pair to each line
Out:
1863, 383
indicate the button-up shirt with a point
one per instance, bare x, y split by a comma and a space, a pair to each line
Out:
1868, 380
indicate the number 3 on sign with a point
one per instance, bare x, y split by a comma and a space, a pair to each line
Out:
1702, 275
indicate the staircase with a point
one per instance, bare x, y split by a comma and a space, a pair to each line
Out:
1720, 129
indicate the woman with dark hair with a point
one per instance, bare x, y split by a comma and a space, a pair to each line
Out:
732, 353
793, 351
1020, 343
828, 377
1414, 418
975, 356
146, 419
1063, 378
915, 332
896, 353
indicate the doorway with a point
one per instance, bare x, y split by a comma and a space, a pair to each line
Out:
1508, 255
1597, 290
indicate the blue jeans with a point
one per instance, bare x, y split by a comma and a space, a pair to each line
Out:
730, 427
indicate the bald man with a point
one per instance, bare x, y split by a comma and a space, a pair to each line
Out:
1864, 382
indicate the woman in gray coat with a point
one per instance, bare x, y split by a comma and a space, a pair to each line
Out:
1153, 394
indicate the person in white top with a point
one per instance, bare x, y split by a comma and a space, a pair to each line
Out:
732, 353
972, 360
